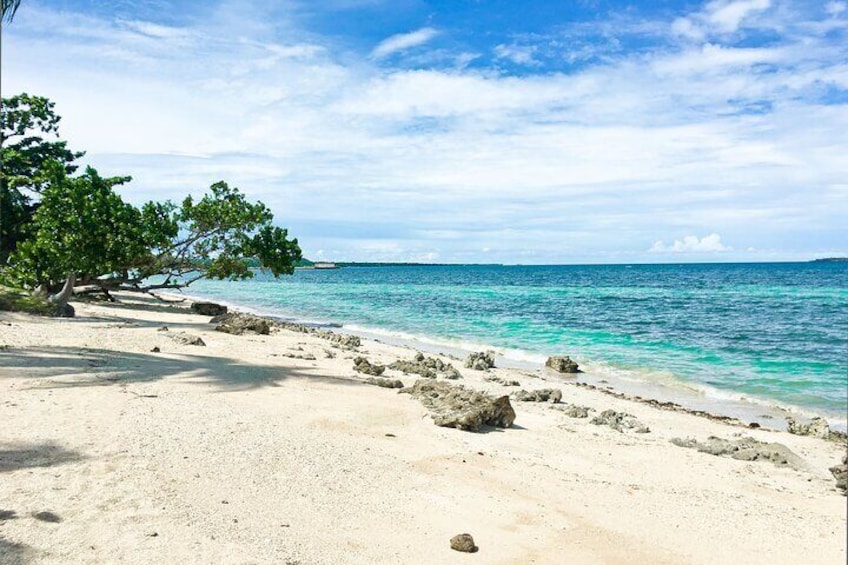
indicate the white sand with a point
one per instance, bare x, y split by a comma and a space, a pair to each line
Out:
232, 453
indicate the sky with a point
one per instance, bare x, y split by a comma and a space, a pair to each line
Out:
485, 131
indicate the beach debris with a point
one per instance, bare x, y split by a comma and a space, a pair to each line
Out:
840, 473
208, 308
481, 360
552, 395
184, 338
464, 543
384, 382
620, 421
744, 449
427, 367
817, 427
573, 410
455, 406
237, 323
501, 381
363, 365
562, 364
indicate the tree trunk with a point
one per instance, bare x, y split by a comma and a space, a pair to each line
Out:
60, 299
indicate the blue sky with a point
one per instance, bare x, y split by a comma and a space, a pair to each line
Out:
469, 131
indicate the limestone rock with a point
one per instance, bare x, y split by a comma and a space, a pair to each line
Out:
363, 365
817, 427
184, 338
573, 410
455, 406
463, 542
562, 364
552, 395
208, 308
481, 360
501, 381
427, 367
620, 421
744, 449
238, 323
385, 383
340, 340
840, 473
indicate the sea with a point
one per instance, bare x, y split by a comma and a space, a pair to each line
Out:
766, 336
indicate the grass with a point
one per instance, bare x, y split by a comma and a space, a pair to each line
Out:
20, 300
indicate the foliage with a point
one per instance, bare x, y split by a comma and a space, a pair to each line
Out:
8, 9
26, 123
19, 300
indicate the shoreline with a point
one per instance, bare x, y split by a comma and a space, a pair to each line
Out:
130, 444
696, 397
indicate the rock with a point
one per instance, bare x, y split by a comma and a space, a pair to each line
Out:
184, 338
501, 381
481, 360
363, 365
385, 383
562, 364
463, 542
552, 395
340, 340
744, 449
66, 311
208, 308
817, 427
163, 329
427, 367
455, 406
573, 410
620, 421
155, 350
840, 473
237, 323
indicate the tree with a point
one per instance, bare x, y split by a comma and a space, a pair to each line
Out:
25, 124
8, 9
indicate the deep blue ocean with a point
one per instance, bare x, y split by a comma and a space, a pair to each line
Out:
774, 332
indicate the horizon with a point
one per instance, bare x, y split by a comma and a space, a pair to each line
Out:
587, 133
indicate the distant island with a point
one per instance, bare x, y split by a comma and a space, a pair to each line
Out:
831, 260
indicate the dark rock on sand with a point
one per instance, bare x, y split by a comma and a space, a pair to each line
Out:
744, 449
573, 410
340, 340
817, 427
552, 395
501, 381
562, 364
455, 406
363, 365
463, 542
427, 367
385, 383
208, 308
840, 473
481, 360
238, 323
620, 421
185, 338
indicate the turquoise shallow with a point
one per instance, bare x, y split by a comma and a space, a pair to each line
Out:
776, 332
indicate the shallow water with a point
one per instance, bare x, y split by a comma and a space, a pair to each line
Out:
776, 332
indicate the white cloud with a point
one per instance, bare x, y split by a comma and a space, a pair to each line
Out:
692, 244
835, 8
728, 15
403, 41
518, 54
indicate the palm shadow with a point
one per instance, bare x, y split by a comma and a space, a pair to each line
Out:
14, 553
14, 457
64, 367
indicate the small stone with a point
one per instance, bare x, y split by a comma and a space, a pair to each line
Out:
155, 349
464, 543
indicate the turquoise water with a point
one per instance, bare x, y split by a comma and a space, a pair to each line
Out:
776, 332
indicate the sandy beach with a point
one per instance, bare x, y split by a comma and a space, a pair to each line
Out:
120, 444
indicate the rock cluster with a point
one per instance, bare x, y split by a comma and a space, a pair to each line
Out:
501, 381
562, 364
573, 410
427, 367
343, 341
208, 308
364, 366
385, 383
552, 395
481, 360
840, 473
455, 406
817, 427
744, 449
238, 323
620, 421
184, 338
464, 543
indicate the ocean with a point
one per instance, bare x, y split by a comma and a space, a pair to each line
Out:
767, 333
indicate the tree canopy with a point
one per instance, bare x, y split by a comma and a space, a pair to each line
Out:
79, 228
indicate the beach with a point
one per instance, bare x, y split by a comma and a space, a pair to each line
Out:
123, 443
